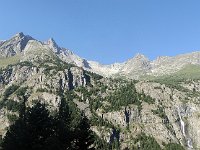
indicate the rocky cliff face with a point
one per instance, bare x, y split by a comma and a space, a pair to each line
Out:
14, 46
36, 77
173, 117
118, 109
42, 83
181, 110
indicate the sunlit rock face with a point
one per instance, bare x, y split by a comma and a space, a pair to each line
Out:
14, 46
182, 114
47, 69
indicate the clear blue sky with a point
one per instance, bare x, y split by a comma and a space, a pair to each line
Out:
107, 30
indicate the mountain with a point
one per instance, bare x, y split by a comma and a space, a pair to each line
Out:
27, 48
158, 110
14, 46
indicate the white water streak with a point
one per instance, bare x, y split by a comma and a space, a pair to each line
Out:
189, 141
182, 123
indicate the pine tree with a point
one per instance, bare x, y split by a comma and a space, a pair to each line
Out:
31, 132
37, 130
40, 125
62, 129
84, 137
17, 137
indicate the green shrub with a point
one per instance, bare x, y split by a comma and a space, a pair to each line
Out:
42, 90
173, 146
160, 112
144, 142
12, 105
21, 91
10, 90
12, 117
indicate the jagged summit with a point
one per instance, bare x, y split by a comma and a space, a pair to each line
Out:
139, 65
15, 45
139, 55
20, 34
51, 41
53, 45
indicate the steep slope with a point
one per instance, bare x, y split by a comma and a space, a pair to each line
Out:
158, 114
14, 46
169, 65
136, 67
129, 108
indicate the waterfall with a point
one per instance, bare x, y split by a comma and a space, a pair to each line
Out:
189, 143
182, 123
189, 140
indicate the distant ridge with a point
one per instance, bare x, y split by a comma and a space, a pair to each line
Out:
134, 68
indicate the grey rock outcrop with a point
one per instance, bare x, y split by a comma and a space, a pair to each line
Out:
182, 116
14, 46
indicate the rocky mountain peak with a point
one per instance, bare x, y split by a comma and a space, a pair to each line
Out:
135, 67
139, 56
53, 45
14, 45
20, 34
51, 41
138, 59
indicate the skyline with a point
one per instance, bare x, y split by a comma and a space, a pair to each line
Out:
107, 31
98, 61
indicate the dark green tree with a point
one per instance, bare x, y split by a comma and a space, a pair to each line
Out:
30, 132
17, 137
35, 129
62, 126
39, 125
84, 137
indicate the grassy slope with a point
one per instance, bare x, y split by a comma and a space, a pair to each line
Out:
188, 72
9, 61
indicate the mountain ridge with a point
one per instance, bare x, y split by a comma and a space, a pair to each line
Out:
133, 68
159, 112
